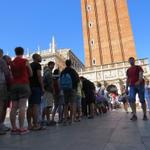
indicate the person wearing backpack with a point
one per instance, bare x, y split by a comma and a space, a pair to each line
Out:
69, 79
20, 90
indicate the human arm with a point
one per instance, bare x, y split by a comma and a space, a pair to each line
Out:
5, 69
127, 83
75, 78
29, 69
40, 79
140, 80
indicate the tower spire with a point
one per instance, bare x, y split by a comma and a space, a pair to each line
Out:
53, 46
38, 49
50, 47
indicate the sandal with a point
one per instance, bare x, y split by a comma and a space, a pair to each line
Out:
15, 131
23, 131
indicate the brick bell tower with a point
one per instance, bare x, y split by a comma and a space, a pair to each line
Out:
107, 32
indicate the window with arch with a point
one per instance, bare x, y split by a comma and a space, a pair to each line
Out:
89, 8
92, 43
94, 62
90, 24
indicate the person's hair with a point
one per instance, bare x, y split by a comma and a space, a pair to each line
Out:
131, 58
56, 72
35, 56
51, 63
5, 57
99, 84
68, 62
1, 51
19, 51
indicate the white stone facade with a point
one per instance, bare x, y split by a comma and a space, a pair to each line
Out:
113, 73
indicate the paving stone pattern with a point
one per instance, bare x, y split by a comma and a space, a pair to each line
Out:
112, 131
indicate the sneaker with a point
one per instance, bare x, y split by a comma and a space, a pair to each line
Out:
145, 118
2, 132
4, 128
134, 118
15, 131
23, 131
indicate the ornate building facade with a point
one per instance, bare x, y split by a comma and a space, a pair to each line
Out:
114, 73
59, 56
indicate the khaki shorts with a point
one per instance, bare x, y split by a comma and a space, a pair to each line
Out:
48, 96
20, 91
69, 97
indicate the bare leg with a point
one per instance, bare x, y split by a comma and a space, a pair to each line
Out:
126, 107
144, 108
29, 116
65, 112
74, 111
54, 112
13, 114
71, 111
22, 106
35, 114
4, 112
133, 107
48, 111
1, 112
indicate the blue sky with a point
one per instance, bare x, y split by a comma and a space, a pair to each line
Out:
29, 23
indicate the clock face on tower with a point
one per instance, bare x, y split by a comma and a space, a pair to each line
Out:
107, 32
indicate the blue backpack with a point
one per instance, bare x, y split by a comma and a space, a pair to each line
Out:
66, 81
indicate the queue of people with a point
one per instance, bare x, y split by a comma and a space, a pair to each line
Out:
38, 96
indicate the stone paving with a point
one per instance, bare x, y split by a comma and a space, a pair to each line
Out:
112, 131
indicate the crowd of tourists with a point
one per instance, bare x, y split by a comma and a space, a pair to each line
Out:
48, 96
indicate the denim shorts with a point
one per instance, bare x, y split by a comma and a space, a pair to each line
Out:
140, 90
